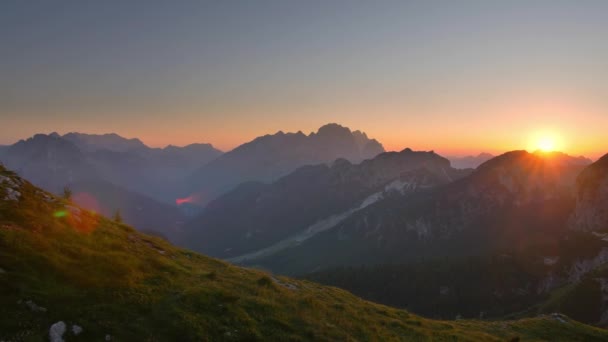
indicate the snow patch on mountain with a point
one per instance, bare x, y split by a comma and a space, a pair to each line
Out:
327, 223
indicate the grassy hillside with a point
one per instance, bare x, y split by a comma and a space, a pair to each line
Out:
61, 263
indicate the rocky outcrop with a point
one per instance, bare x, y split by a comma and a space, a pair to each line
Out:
581, 267
56, 332
34, 307
77, 330
11, 188
591, 213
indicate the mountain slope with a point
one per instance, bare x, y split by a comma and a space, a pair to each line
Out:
570, 278
137, 210
302, 200
566, 270
61, 263
269, 157
516, 199
591, 212
586, 295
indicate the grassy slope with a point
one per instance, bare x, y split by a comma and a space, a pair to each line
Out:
110, 279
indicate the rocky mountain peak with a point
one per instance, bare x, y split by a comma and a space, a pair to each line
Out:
333, 129
108, 141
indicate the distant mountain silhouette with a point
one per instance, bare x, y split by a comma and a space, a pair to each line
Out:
117, 173
49, 161
470, 162
110, 142
269, 157
256, 215
52, 161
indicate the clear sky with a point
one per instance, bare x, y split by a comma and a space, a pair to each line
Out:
453, 76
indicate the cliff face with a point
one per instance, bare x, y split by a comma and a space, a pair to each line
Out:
591, 213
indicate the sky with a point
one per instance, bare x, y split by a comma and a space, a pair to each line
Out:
456, 77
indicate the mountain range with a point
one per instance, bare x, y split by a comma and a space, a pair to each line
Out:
145, 183
110, 173
269, 157
368, 212
538, 245
522, 232
308, 201
70, 274
53, 161
519, 235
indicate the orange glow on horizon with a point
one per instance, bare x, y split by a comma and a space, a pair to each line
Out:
451, 127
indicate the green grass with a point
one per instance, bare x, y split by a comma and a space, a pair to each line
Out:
110, 279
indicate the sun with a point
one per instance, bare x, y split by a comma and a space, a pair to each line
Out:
545, 141
546, 144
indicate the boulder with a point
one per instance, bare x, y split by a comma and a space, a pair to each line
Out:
56, 332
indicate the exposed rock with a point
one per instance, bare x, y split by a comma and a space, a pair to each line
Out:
56, 332
12, 186
549, 261
76, 329
48, 198
602, 236
421, 227
33, 307
12, 195
9, 182
559, 317
108, 337
591, 212
549, 283
582, 267
2, 271
604, 287
286, 285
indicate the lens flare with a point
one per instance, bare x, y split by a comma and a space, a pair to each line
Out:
89, 202
60, 213
193, 199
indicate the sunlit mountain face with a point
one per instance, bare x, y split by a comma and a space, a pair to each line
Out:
303, 171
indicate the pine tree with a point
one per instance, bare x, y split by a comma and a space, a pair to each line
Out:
67, 193
117, 216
